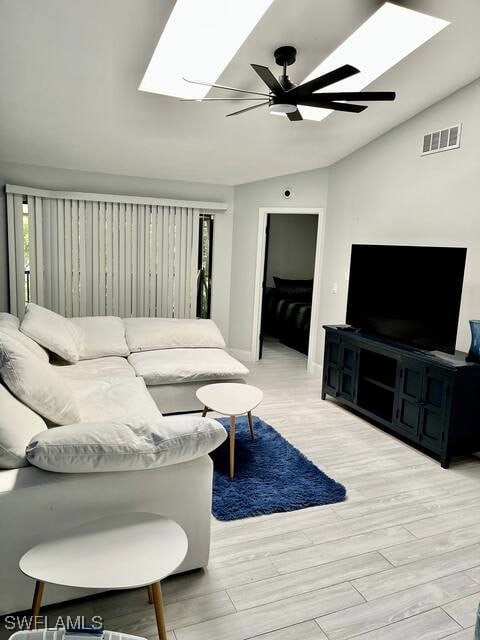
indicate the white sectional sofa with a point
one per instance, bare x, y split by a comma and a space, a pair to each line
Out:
119, 371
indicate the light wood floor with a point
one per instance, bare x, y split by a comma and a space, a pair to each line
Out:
399, 560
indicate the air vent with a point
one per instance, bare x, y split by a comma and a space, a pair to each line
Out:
442, 140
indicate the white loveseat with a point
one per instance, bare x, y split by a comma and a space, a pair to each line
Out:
125, 369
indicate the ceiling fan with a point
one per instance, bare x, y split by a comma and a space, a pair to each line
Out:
285, 97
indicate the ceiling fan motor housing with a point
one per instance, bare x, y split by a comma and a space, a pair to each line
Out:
285, 56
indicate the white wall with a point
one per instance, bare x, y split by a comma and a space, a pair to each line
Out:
61, 179
383, 193
291, 247
309, 190
387, 193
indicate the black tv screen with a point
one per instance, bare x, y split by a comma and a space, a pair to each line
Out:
407, 294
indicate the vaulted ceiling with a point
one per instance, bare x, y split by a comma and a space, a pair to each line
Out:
70, 70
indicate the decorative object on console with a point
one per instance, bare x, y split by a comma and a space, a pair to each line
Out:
474, 351
272, 476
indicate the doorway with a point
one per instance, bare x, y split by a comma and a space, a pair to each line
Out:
289, 253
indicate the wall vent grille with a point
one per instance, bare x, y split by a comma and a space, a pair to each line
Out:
442, 140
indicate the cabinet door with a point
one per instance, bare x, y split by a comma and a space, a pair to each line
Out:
348, 371
435, 406
332, 365
409, 397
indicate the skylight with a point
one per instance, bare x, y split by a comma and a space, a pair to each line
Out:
199, 40
388, 36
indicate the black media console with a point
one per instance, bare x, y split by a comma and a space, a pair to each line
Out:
430, 399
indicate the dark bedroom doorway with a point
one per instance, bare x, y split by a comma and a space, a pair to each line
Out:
287, 285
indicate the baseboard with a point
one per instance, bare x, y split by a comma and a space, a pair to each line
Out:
316, 368
241, 354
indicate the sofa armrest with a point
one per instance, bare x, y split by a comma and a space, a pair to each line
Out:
130, 445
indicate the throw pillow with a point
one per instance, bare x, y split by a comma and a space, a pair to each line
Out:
54, 332
36, 382
33, 346
8, 320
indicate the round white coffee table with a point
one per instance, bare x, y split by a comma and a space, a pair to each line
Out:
122, 551
231, 399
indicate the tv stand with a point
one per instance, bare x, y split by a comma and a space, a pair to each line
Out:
432, 400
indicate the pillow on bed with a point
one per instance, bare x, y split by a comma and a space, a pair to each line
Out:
297, 290
54, 332
130, 445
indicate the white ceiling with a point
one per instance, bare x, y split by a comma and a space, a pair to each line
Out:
69, 72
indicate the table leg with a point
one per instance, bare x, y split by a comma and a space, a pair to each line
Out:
150, 594
204, 412
250, 422
158, 604
37, 601
232, 447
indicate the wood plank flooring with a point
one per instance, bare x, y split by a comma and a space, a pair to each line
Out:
399, 560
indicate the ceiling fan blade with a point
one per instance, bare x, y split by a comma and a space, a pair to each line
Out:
358, 95
336, 106
268, 78
324, 81
295, 116
255, 106
218, 99
221, 86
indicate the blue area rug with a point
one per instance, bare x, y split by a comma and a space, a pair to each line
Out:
271, 475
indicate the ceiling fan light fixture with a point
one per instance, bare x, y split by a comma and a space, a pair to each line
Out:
282, 108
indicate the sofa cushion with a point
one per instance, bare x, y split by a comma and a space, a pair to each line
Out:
54, 332
8, 320
35, 382
126, 445
110, 367
31, 345
102, 398
18, 424
185, 365
147, 334
101, 336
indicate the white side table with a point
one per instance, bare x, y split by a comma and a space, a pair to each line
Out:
231, 399
123, 551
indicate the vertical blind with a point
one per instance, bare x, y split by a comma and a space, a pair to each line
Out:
92, 254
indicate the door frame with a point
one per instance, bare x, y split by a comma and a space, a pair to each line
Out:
263, 212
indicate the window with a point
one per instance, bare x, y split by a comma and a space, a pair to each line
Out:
205, 256
26, 249
83, 254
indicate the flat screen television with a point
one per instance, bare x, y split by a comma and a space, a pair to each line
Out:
407, 294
